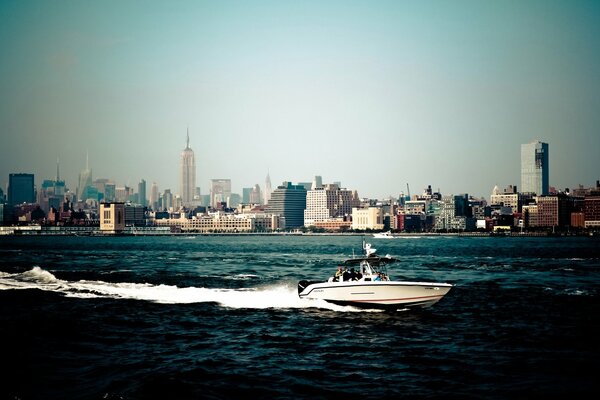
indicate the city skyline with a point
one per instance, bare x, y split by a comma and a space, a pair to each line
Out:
375, 95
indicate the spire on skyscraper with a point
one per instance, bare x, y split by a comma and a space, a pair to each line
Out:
57, 170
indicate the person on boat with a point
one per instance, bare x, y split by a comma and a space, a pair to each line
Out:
378, 277
346, 274
358, 276
338, 274
352, 274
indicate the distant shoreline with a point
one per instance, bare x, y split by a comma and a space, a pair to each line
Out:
86, 231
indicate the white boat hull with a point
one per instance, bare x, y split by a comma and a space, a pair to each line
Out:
376, 294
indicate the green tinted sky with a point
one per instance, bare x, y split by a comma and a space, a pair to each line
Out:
373, 94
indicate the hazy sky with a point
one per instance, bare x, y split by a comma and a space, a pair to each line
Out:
374, 94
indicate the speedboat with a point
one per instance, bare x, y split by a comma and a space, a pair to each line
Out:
383, 235
372, 288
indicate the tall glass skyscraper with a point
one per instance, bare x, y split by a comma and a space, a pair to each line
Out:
534, 168
187, 174
289, 201
20, 189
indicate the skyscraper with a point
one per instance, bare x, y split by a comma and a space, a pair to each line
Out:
289, 201
220, 190
85, 180
142, 193
534, 168
268, 189
187, 174
20, 189
154, 196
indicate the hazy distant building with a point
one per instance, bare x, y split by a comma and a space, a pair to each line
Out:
220, 190
110, 191
21, 189
85, 180
122, 194
268, 189
154, 196
187, 174
317, 182
246, 195
534, 168
289, 201
255, 197
142, 193
167, 200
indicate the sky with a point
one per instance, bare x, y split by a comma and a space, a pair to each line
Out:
373, 94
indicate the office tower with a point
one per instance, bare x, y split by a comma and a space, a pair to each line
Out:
187, 174
329, 201
110, 191
289, 201
317, 182
246, 195
167, 199
142, 193
255, 197
220, 190
85, 180
20, 189
154, 196
268, 189
534, 168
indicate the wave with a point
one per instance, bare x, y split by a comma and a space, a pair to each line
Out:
279, 295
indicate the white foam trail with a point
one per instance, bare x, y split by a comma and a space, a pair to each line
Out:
273, 296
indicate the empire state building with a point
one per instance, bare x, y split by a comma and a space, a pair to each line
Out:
187, 175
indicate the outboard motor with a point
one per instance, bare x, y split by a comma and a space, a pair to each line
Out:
302, 285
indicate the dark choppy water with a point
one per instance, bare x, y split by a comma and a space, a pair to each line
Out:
219, 317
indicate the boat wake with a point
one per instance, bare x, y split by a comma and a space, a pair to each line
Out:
279, 295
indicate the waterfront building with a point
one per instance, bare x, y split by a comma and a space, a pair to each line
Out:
222, 222
530, 215
334, 224
367, 218
416, 206
21, 189
534, 168
187, 174
220, 190
134, 215
591, 211
112, 217
509, 198
455, 214
142, 193
328, 202
289, 201
553, 211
